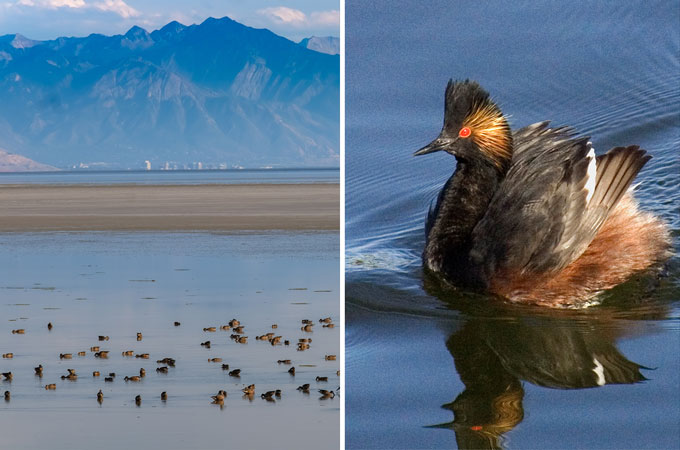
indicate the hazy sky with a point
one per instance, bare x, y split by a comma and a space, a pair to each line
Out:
48, 19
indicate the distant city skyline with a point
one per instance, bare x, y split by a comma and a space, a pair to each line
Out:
49, 19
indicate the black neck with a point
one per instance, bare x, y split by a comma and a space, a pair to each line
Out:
460, 206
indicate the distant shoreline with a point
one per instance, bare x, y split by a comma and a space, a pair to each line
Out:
214, 207
140, 170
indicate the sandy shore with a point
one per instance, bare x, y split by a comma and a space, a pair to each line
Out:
174, 207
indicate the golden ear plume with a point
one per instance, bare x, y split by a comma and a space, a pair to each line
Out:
490, 131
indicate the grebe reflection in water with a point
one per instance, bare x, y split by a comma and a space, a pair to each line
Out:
493, 358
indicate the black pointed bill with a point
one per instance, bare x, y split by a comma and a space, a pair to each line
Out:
438, 144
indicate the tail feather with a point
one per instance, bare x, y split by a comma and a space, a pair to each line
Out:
616, 170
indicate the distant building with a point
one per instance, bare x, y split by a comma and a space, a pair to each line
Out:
147, 164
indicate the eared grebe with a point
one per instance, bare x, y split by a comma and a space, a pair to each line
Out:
533, 215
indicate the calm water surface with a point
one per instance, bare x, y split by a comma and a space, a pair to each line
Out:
257, 176
432, 370
118, 284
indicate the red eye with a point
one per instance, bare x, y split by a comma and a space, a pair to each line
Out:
464, 132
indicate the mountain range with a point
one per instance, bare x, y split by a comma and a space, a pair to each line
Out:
219, 93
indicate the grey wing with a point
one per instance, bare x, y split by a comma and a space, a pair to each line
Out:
552, 201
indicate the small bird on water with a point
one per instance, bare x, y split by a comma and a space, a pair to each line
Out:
268, 395
326, 394
221, 395
533, 215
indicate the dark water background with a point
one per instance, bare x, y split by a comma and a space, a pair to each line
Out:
184, 177
427, 370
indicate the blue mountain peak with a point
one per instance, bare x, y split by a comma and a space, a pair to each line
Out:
136, 33
173, 27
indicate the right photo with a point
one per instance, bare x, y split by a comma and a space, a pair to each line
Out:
512, 225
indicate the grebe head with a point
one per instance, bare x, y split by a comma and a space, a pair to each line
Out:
474, 126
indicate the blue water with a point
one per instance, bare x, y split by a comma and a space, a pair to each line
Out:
185, 177
117, 284
426, 369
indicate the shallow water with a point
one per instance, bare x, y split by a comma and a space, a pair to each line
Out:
609, 69
118, 284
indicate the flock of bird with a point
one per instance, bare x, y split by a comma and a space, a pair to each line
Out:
166, 364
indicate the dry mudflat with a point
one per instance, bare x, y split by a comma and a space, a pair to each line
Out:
29, 208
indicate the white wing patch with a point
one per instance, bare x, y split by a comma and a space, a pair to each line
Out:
599, 371
591, 175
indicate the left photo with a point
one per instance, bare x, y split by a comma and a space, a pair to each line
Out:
170, 224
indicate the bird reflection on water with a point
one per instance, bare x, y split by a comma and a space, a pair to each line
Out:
495, 351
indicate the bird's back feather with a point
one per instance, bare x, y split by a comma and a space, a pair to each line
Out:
545, 212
